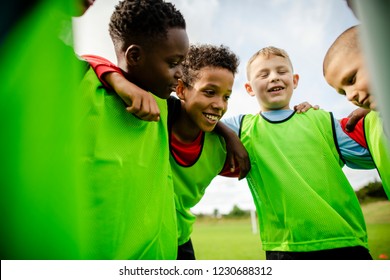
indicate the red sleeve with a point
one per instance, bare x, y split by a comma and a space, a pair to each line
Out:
101, 66
357, 134
227, 173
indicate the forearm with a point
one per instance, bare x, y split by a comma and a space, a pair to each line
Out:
119, 84
237, 158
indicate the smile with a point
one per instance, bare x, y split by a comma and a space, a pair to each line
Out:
211, 117
275, 89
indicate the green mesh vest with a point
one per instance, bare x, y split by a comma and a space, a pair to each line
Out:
377, 145
304, 200
38, 185
129, 208
191, 182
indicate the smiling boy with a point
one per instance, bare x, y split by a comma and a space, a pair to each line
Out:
345, 70
306, 207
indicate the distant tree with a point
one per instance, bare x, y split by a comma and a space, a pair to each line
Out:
371, 192
237, 212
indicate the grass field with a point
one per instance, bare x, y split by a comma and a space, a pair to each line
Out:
232, 239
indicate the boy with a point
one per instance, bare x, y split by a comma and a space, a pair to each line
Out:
197, 154
38, 189
129, 210
307, 208
345, 70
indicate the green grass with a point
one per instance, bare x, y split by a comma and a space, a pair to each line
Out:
226, 239
377, 215
232, 239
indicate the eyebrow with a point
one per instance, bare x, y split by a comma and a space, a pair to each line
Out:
341, 91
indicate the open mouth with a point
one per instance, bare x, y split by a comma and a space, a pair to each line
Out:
211, 117
273, 89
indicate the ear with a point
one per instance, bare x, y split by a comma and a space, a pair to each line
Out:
249, 90
295, 80
180, 89
133, 54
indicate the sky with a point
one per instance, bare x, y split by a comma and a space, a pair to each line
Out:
304, 28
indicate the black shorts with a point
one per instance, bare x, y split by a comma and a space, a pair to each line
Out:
186, 251
346, 253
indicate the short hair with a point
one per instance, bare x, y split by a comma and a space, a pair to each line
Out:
142, 22
346, 41
204, 55
267, 52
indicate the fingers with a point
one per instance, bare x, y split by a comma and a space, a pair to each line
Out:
146, 116
354, 118
304, 107
351, 123
245, 167
146, 110
232, 164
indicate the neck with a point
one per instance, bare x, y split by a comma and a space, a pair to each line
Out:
184, 128
287, 107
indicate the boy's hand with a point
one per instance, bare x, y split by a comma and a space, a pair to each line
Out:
354, 117
139, 102
304, 107
236, 153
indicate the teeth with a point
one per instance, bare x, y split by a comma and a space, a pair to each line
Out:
276, 89
212, 117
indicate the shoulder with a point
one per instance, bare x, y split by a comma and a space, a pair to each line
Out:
319, 114
90, 78
373, 117
248, 117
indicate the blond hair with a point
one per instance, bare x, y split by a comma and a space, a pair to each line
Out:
346, 42
267, 52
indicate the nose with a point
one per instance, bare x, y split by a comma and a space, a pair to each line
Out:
219, 103
274, 77
178, 72
352, 95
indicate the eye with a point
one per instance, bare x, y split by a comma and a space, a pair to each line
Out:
263, 74
352, 79
227, 97
173, 64
282, 70
209, 92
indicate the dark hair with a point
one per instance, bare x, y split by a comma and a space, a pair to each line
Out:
200, 56
143, 21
